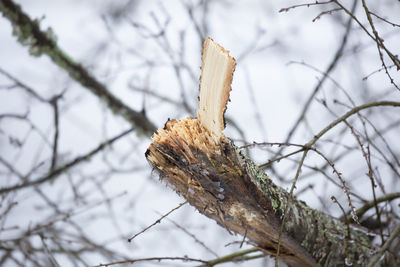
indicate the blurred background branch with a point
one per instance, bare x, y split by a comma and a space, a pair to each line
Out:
74, 181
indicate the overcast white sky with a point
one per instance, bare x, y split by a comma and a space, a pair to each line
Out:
263, 41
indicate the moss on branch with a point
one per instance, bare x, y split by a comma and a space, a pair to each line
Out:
40, 42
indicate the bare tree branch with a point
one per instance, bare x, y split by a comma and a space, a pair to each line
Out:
321, 82
28, 33
64, 167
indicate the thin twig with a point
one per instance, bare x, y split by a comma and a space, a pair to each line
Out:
25, 87
157, 221
287, 204
376, 71
348, 236
286, 9
321, 82
201, 243
367, 206
66, 166
234, 257
380, 44
385, 247
344, 186
350, 113
184, 259
385, 20
328, 12
376, 38
56, 133
310, 144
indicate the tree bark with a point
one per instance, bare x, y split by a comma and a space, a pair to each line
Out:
206, 168
223, 184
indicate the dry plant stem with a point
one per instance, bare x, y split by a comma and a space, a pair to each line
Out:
39, 42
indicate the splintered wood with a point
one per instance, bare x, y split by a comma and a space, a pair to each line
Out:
183, 135
215, 85
204, 132
203, 166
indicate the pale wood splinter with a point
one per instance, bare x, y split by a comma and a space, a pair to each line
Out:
217, 68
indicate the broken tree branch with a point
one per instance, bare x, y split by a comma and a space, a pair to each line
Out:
214, 176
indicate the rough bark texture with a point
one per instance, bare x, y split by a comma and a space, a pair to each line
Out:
216, 178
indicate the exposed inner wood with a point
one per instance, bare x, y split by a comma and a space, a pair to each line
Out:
182, 135
215, 84
205, 167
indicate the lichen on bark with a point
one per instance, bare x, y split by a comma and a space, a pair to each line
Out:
41, 42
